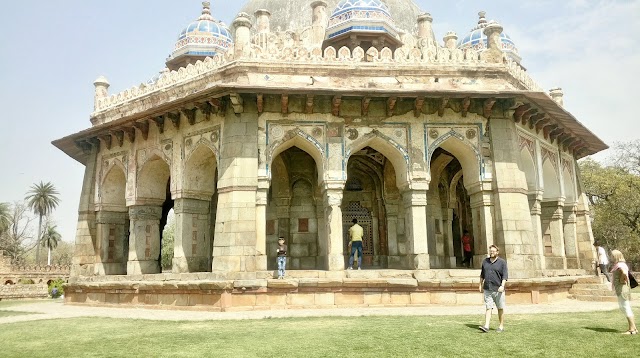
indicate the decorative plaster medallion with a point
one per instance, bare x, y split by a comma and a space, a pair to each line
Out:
167, 147
398, 133
471, 133
353, 133
277, 132
188, 142
433, 133
214, 137
317, 132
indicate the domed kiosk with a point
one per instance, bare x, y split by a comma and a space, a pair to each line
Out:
319, 113
202, 38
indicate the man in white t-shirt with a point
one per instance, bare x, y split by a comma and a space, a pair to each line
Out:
603, 260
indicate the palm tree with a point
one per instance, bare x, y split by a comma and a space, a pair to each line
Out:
5, 217
42, 199
50, 240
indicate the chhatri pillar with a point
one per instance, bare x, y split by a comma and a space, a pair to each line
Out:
144, 239
332, 195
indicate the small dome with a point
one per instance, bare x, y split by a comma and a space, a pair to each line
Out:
203, 37
372, 16
477, 40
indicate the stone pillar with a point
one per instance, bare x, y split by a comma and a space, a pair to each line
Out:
557, 95
112, 242
570, 237
584, 235
425, 26
263, 21
101, 90
144, 239
535, 210
319, 23
481, 203
242, 40
334, 260
447, 229
261, 225
392, 230
451, 40
84, 255
552, 214
513, 230
494, 52
415, 204
192, 237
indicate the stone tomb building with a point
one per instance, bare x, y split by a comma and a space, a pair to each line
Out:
305, 115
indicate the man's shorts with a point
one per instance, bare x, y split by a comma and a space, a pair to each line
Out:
492, 298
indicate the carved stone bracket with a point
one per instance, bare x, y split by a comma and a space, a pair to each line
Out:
190, 114
309, 104
335, 105
131, 133
418, 107
260, 102
174, 118
237, 103
442, 105
119, 134
365, 105
159, 121
284, 103
466, 103
487, 107
391, 105
143, 127
205, 108
105, 140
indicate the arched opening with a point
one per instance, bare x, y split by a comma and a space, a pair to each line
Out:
153, 192
195, 218
113, 222
449, 212
8, 282
551, 218
292, 210
372, 197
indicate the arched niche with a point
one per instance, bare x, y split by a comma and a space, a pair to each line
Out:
528, 167
296, 139
113, 189
397, 156
467, 156
550, 180
199, 177
152, 179
569, 186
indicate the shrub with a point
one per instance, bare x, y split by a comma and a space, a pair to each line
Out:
57, 284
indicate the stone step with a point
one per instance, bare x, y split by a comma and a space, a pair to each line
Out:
591, 279
595, 298
604, 292
590, 286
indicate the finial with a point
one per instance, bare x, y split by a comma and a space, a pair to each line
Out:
206, 11
482, 17
425, 17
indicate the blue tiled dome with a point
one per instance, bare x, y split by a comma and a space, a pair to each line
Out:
477, 40
203, 37
360, 15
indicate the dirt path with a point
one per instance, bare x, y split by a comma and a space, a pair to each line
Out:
55, 309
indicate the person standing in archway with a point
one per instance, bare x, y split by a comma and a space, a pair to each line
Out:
355, 233
466, 247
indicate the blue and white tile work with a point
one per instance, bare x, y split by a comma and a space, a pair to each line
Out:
361, 16
477, 40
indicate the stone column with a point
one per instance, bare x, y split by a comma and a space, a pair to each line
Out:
334, 260
451, 40
393, 255
192, 237
513, 230
84, 255
570, 237
494, 52
319, 23
415, 204
112, 245
101, 90
242, 40
584, 235
481, 203
261, 225
535, 209
552, 213
263, 21
447, 229
425, 28
144, 239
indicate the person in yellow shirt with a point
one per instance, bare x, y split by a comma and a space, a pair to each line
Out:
355, 233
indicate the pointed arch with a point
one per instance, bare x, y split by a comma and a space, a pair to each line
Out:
113, 188
569, 186
453, 185
298, 138
151, 183
527, 165
551, 184
393, 151
199, 179
465, 152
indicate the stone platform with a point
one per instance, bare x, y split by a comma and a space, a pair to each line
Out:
308, 289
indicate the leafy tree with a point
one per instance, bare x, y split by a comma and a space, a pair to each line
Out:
17, 240
50, 240
62, 254
5, 217
42, 199
168, 239
613, 192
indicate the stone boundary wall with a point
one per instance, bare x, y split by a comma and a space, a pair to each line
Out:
297, 293
20, 291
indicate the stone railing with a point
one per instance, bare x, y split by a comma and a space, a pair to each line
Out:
38, 290
430, 56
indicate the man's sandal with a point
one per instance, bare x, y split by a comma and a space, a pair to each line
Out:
631, 332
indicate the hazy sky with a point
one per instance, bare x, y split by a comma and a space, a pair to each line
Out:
52, 51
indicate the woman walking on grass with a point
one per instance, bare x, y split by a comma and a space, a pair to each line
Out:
620, 279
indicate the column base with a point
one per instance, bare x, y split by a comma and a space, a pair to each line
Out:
113, 268
190, 264
334, 262
143, 267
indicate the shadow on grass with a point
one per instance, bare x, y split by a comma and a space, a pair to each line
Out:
602, 330
473, 326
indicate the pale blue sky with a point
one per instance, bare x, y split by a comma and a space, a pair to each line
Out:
51, 51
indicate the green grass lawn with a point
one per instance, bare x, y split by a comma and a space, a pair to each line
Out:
12, 303
557, 335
